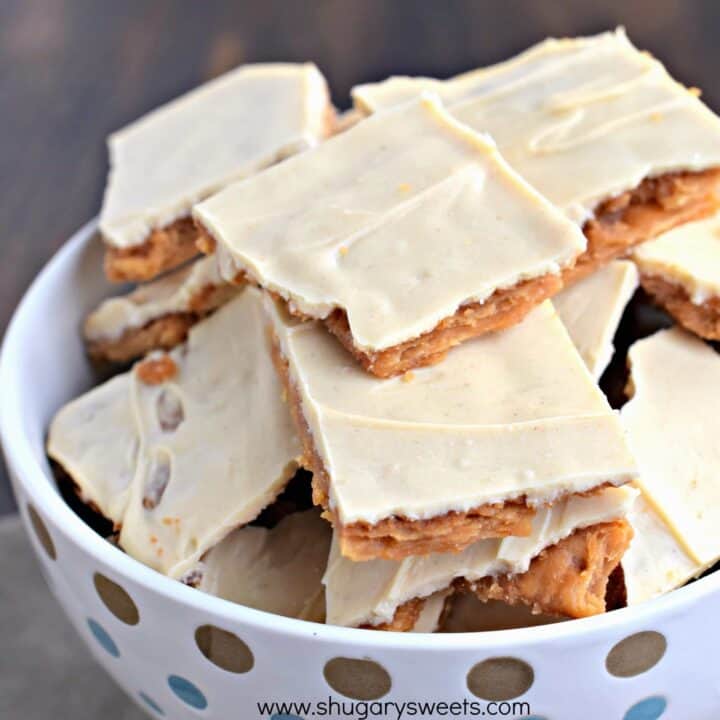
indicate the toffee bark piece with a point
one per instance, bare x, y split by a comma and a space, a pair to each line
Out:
672, 424
586, 121
188, 149
680, 271
156, 315
407, 234
592, 308
170, 458
456, 452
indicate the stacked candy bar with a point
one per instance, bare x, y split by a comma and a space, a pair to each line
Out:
418, 309
187, 150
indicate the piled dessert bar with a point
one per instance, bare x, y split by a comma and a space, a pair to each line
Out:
156, 315
185, 151
591, 310
671, 423
680, 270
418, 309
187, 445
461, 451
598, 127
406, 234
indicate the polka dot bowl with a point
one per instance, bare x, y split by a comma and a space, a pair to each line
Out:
182, 654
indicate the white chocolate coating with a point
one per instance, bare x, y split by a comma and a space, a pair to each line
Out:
431, 614
582, 120
592, 308
399, 221
359, 593
95, 439
278, 570
169, 294
688, 256
223, 131
218, 436
673, 426
507, 415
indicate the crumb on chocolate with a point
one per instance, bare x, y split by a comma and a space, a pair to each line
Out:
157, 369
193, 577
205, 242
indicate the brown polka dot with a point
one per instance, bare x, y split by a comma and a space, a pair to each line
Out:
42, 533
636, 654
116, 600
224, 649
357, 679
500, 678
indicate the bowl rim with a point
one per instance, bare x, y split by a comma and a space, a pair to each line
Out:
31, 472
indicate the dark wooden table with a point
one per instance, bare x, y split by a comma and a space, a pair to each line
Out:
73, 70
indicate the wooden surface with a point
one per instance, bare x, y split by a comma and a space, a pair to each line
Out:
73, 70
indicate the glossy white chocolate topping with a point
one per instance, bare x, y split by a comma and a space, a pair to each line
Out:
432, 612
95, 439
181, 464
591, 310
509, 415
399, 221
225, 130
688, 256
582, 119
673, 426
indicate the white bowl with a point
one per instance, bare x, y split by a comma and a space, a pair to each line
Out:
144, 630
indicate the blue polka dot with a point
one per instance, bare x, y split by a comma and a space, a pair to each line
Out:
187, 692
151, 703
649, 709
103, 638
